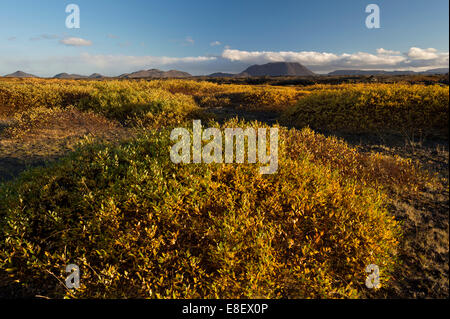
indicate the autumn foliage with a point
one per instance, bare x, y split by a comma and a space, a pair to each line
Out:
141, 226
375, 108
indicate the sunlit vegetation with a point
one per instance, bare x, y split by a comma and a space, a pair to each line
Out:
376, 108
139, 225
142, 226
174, 96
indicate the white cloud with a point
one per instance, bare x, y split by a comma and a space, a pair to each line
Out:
416, 58
232, 61
112, 65
310, 57
387, 52
77, 42
422, 54
105, 61
112, 36
215, 43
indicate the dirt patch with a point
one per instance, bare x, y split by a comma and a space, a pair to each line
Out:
424, 251
51, 139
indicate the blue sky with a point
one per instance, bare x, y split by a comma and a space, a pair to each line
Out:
202, 37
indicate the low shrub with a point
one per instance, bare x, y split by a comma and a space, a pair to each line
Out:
125, 101
32, 93
26, 120
225, 95
128, 102
392, 173
140, 226
376, 108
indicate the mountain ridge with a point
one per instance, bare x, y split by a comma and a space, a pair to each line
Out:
277, 69
155, 73
20, 74
69, 76
268, 69
357, 72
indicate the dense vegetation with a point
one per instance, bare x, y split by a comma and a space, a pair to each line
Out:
331, 79
140, 226
379, 108
125, 98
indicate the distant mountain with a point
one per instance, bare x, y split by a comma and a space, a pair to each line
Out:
382, 72
436, 71
277, 69
155, 73
370, 72
20, 74
69, 76
221, 75
95, 76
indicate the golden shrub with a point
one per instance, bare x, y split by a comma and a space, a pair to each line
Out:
140, 226
125, 101
374, 108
